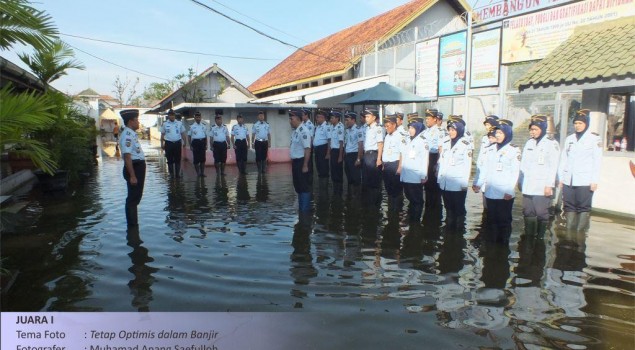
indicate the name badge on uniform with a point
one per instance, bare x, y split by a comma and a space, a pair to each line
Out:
411, 154
541, 158
499, 166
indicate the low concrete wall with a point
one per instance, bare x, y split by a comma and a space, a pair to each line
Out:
616, 188
14, 181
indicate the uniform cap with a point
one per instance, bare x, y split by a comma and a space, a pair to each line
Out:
197, 114
455, 119
336, 114
306, 111
491, 119
350, 115
414, 118
440, 115
128, 114
505, 122
371, 111
171, 112
537, 118
295, 112
321, 112
239, 116
582, 116
432, 112
390, 119
399, 115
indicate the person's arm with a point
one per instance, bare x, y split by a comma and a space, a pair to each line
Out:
340, 158
232, 139
163, 140
305, 164
127, 158
247, 138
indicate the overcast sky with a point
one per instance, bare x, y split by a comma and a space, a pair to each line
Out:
185, 25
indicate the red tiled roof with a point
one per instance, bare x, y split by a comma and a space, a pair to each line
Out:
333, 53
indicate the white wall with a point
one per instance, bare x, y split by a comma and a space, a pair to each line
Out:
616, 188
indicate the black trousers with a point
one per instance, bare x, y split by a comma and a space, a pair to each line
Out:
134, 192
391, 179
261, 148
321, 163
454, 202
414, 194
353, 173
371, 175
219, 149
173, 152
241, 150
499, 219
301, 181
337, 168
433, 191
577, 199
198, 150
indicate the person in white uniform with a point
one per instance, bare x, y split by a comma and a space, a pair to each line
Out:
579, 171
455, 165
500, 177
538, 169
413, 167
134, 170
198, 143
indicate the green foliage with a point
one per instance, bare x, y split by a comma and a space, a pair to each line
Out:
70, 137
51, 62
23, 24
21, 116
157, 91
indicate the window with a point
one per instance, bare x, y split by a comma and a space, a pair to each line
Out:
620, 129
326, 81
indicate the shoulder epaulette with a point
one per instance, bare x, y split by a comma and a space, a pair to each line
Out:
466, 142
511, 144
595, 133
422, 136
549, 137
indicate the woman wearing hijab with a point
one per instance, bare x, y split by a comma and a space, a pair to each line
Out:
499, 175
538, 169
413, 166
579, 171
455, 165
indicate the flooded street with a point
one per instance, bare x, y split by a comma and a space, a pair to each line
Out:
365, 278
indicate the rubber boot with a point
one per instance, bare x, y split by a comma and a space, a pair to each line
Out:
531, 222
171, 170
222, 168
202, 174
583, 221
542, 229
217, 167
572, 220
258, 166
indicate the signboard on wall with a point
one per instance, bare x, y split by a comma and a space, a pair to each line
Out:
427, 68
499, 10
534, 36
485, 59
452, 54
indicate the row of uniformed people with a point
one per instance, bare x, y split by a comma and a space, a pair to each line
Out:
173, 138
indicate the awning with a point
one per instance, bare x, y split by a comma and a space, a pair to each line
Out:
312, 95
600, 55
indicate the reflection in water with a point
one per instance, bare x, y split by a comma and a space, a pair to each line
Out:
301, 269
262, 188
140, 285
565, 279
242, 189
221, 192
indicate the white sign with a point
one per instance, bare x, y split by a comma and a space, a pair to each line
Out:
485, 58
426, 70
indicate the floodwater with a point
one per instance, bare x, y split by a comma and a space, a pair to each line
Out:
365, 279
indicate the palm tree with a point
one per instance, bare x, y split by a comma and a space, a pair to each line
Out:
20, 116
50, 62
21, 23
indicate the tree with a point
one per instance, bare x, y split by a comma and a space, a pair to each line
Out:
21, 23
124, 93
21, 116
51, 62
157, 91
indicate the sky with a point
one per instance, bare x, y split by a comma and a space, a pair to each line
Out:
186, 26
